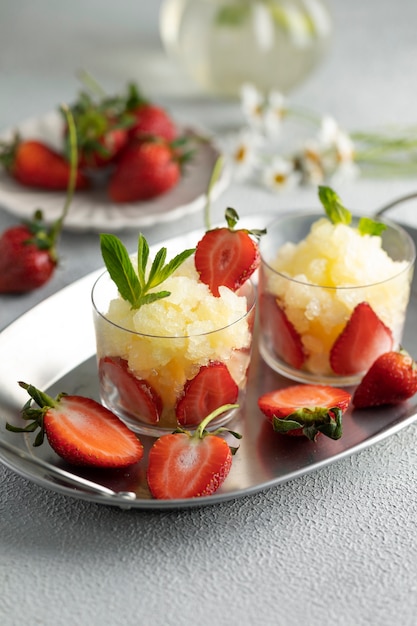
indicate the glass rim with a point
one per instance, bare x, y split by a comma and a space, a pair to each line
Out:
314, 214
251, 300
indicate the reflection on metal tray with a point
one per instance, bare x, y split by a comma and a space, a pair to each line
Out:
61, 358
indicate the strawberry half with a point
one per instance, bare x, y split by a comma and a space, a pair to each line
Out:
213, 386
225, 256
284, 338
136, 396
189, 465
80, 430
364, 338
391, 379
306, 410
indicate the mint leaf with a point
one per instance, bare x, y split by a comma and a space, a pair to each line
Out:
368, 226
135, 287
335, 211
120, 268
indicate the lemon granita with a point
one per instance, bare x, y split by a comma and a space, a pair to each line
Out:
169, 350
334, 292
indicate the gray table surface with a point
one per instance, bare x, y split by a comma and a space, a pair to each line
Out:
334, 547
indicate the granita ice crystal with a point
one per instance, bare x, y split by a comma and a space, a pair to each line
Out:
336, 255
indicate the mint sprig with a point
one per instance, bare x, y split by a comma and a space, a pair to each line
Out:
135, 285
335, 211
339, 214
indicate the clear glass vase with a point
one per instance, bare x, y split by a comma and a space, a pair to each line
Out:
221, 44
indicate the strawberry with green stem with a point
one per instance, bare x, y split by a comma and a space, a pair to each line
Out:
149, 119
28, 251
190, 464
79, 430
306, 410
226, 256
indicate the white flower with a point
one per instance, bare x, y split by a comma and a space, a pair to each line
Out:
242, 153
311, 163
280, 175
274, 113
252, 105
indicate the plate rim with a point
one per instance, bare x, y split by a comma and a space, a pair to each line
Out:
117, 217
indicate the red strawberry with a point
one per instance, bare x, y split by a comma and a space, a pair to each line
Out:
391, 379
102, 129
285, 339
34, 164
189, 465
146, 169
306, 410
213, 386
136, 396
148, 119
362, 340
28, 254
227, 257
27, 258
80, 430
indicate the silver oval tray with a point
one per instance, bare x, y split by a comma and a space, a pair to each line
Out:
52, 346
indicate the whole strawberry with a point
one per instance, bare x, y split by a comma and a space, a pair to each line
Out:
148, 118
27, 257
391, 379
102, 129
145, 169
34, 164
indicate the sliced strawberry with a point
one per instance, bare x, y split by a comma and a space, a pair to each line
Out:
136, 396
213, 386
391, 379
225, 256
189, 465
306, 409
80, 430
284, 338
362, 340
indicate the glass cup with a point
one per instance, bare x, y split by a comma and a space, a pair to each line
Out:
300, 321
144, 378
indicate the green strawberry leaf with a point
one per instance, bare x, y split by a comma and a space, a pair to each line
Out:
335, 211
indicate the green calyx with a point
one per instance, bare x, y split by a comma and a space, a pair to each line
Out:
312, 421
232, 219
35, 416
339, 214
137, 285
200, 432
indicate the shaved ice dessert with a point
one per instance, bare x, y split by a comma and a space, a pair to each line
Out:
333, 293
177, 356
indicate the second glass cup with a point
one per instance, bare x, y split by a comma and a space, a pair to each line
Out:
157, 381
302, 320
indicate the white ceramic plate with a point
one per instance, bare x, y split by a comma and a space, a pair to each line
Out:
92, 210
60, 357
